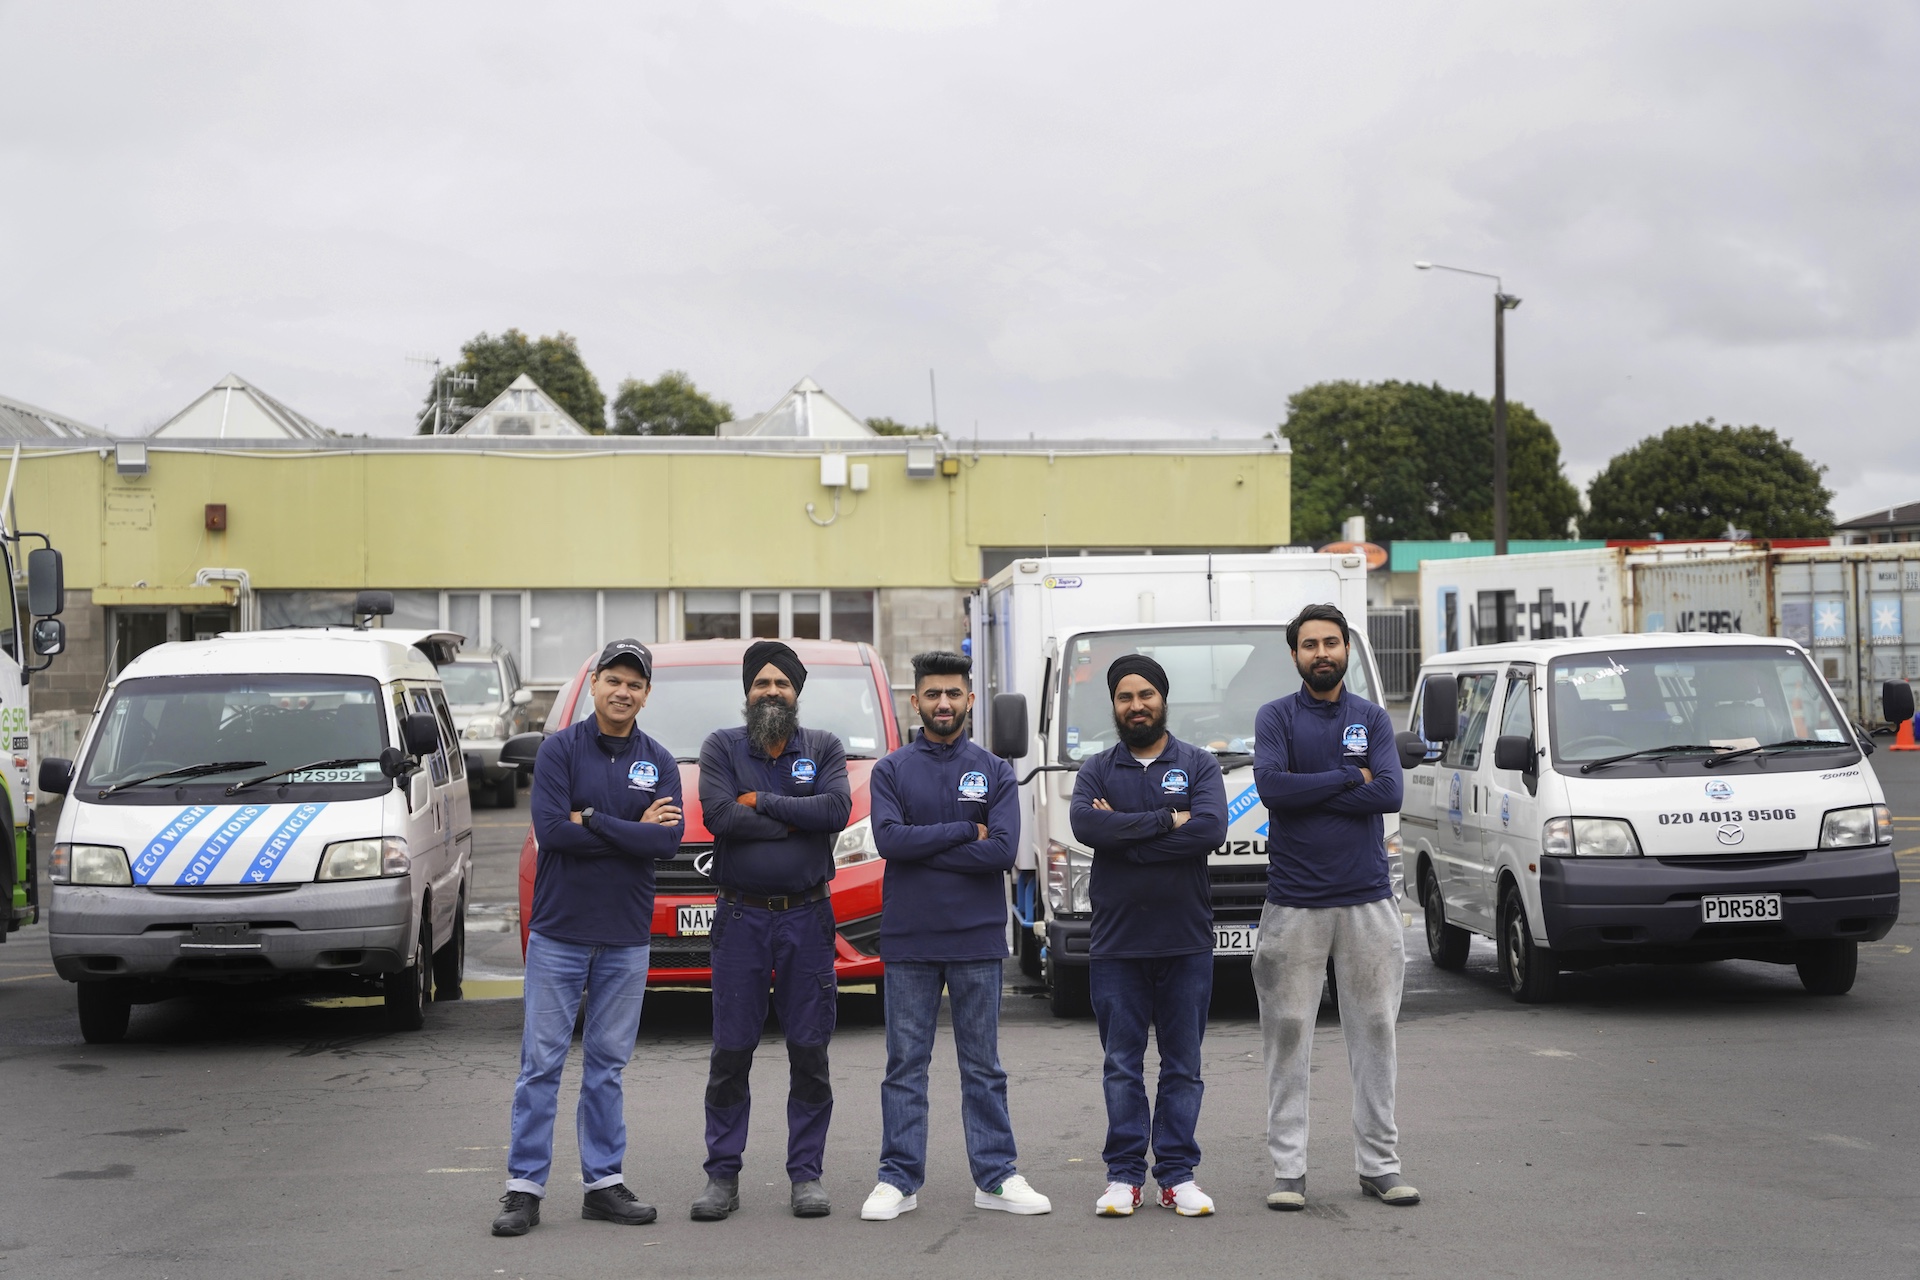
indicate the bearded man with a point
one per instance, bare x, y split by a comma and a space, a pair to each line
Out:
774, 796
1152, 808
1325, 764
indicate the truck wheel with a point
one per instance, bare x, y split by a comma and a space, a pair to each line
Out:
1067, 992
450, 961
409, 991
1529, 969
1447, 944
1828, 968
506, 793
104, 1010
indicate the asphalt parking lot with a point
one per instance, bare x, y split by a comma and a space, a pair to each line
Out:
1704, 1121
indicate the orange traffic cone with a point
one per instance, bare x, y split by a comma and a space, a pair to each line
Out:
1903, 741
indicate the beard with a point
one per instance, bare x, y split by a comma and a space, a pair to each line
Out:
771, 721
1322, 678
934, 727
1141, 734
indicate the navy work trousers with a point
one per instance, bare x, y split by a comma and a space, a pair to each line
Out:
792, 951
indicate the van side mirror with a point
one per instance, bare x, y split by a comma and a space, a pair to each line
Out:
1513, 751
49, 637
1896, 702
46, 583
420, 734
521, 750
1440, 709
1009, 726
521, 697
1412, 748
56, 776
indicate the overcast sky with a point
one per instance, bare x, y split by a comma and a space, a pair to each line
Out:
1090, 218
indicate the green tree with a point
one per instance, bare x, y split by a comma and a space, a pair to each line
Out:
553, 362
888, 427
670, 405
1417, 462
1699, 480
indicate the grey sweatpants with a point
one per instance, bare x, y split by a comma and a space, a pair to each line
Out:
1289, 971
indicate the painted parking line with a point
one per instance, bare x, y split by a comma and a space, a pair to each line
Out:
29, 977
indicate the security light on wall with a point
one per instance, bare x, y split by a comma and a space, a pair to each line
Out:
923, 460
130, 458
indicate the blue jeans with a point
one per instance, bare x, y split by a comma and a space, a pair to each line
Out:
1169, 995
615, 981
913, 1011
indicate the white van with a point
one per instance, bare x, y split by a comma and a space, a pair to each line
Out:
1635, 798
265, 807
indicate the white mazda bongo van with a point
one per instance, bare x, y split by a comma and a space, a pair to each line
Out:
265, 807
1635, 798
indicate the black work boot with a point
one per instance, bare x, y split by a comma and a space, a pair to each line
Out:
617, 1204
520, 1215
810, 1200
721, 1198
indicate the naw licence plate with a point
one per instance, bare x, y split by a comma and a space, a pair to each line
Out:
1234, 939
1729, 909
694, 922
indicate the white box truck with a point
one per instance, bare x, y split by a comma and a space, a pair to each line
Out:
1043, 633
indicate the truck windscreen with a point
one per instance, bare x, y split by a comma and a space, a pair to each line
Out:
1622, 700
1219, 679
688, 703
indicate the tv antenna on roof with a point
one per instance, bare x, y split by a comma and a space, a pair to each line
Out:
445, 411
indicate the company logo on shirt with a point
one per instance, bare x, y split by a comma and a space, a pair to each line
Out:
803, 770
1719, 790
1175, 782
973, 786
1354, 739
644, 776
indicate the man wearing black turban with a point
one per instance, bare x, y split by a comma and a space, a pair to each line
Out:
775, 796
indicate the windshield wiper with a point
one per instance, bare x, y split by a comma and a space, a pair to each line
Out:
1671, 749
185, 771
340, 762
1777, 746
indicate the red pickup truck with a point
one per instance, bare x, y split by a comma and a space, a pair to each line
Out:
696, 689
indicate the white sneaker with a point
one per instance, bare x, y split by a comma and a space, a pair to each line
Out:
1012, 1196
1119, 1201
887, 1202
1187, 1200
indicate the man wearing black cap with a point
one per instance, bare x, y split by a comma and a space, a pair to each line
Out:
606, 806
1151, 808
774, 795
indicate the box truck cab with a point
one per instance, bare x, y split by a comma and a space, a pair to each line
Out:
265, 807
1044, 632
1598, 800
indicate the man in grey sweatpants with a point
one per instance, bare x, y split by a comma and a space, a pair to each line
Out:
1327, 771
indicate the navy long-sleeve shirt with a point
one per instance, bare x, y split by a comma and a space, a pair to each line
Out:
1150, 892
594, 886
783, 845
1327, 843
944, 897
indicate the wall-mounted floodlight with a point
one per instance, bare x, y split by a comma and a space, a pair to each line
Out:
130, 457
923, 461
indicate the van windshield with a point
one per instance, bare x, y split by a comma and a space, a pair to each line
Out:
471, 684
1218, 680
257, 723
688, 703
1606, 704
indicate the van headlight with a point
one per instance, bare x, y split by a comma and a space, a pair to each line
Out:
89, 864
855, 845
1069, 879
1589, 838
1396, 870
1851, 828
364, 859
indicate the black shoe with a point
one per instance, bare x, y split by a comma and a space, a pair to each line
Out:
1390, 1188
810, 1200
617, 1204
521, 1214
721, 1198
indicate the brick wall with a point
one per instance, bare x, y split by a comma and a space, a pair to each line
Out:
916, 620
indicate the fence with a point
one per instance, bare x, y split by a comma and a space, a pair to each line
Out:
1394, 635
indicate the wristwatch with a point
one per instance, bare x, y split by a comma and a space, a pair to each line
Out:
586, 818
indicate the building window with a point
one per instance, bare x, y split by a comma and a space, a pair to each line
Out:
777, 615
852, 615
712, 615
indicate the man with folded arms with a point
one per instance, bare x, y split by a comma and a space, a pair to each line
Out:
946, 817
774, 795
1152, 808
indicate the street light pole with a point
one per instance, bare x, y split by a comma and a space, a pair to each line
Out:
1503, 302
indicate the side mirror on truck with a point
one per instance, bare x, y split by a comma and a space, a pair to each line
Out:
1009, 726
1896, 702
420, 734
49, 637
1513, 751
46, 583
521, 750
1440, 709
56, 776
